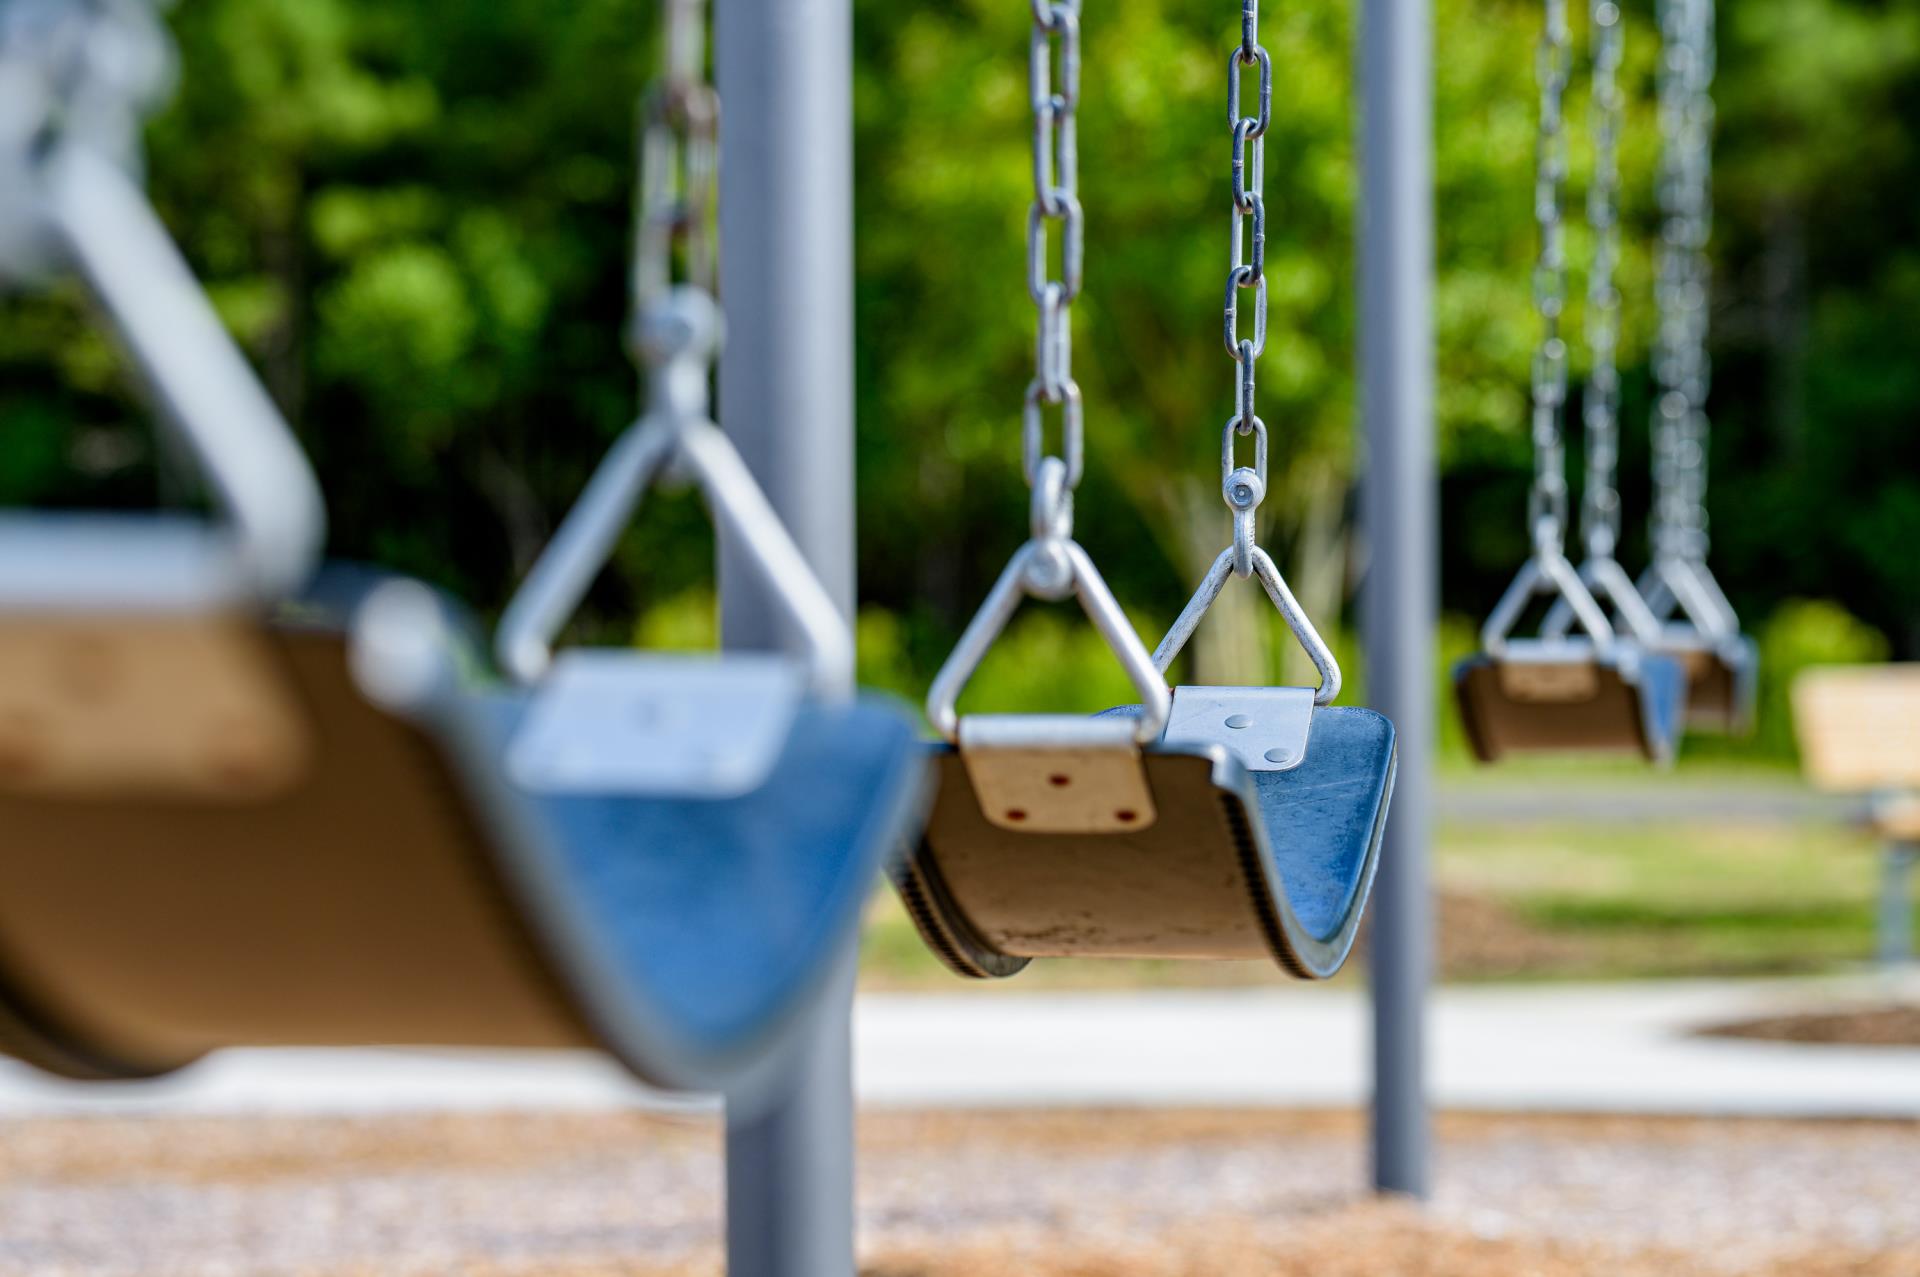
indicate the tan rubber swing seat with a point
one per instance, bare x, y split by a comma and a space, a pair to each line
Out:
1210, 860
395, 885
297, 866
1595, 692
1571, 701
1207, 822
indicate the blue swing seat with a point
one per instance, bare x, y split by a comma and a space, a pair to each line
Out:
1235, 863
402, 890
245, 800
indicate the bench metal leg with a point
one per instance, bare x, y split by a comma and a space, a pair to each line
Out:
1896, 903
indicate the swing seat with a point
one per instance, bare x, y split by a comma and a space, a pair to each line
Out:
1722, 679
227, 818
400, 886
1177, 850
1568, 696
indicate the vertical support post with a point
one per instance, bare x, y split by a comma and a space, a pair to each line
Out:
1896, 904
1398, 498
784, 70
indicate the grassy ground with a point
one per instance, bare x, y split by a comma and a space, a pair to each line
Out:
1598, 900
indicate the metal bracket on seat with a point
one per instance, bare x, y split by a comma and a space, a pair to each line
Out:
1264, 728
1279, 593
674, 436
78, 81
1057, 774
698, 727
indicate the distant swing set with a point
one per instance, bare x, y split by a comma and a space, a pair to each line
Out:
1670, 655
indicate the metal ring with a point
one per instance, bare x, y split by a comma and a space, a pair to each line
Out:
1249, 164
1053, 345
1244, 542
1050, 508
1064, 25
1048, 13
1236, 60
1072, 246
1228, 466
1243, 413
1238, 278
1255, 254
1072, 430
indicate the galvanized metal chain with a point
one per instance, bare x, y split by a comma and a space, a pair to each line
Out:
676, 327
1683, 280
84, 71
1244, 487
1547, 503
1600, 504
1053, 81
674, 236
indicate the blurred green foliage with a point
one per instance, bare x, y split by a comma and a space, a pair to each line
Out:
415, 217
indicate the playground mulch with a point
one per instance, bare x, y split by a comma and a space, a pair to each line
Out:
1894, 1025
1039, 1194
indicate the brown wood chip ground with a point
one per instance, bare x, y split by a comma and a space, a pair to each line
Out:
1094, 1194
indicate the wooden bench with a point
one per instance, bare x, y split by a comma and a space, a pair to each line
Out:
1859, 733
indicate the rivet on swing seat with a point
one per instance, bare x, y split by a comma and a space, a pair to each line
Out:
1248, 826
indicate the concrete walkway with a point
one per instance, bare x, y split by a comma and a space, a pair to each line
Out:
1542, 1048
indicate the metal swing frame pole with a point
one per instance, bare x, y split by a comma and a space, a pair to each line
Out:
1400, 602
784, 71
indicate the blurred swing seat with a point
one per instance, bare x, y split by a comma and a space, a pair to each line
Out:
1247, 823
394, 884
245, 804
1700, 629
1566, 696
1591, 693
1722, 679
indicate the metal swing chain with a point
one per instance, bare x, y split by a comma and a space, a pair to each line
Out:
1244, 487
1683, 282
679, 169
1547, 502
1600, 505
83, 72
1055, 41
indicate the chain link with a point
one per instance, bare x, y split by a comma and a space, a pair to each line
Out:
679, 164
1547, 503
1600, 509
1683, 279
1243, 487
77, 73
1053, 82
